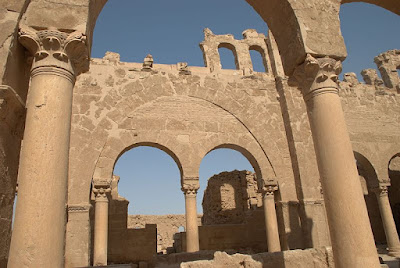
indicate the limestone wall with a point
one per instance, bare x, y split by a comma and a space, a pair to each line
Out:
167, 229
309, 258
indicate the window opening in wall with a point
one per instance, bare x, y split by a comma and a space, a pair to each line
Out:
398, 71
228, 57
181, 229
258, 60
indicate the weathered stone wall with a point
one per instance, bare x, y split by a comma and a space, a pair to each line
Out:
228, 196
167, 228
13, 91
310, 258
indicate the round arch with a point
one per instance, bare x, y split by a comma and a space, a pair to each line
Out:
104, 167
367, 170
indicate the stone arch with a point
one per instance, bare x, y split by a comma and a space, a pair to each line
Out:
366, 169
251, 152
370, 182
115, 148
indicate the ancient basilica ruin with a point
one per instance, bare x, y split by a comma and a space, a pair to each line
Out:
326, 153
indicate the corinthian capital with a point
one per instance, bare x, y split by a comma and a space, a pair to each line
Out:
190, 187
381, 190
101, 190
52, 47
317, 75
270, 187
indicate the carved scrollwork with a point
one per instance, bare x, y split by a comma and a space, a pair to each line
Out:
51, 47
318, 75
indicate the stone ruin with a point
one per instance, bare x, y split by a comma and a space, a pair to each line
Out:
297, 124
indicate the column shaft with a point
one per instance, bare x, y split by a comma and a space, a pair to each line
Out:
38, 237
389, 225
192, 229
352, 240
39, 228
271, 223
100, 232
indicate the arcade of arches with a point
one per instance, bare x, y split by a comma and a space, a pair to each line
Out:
322, 150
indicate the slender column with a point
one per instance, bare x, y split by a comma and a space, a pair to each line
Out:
192, 229
392, 238
101, 192
271, 222
38, 236
352, 240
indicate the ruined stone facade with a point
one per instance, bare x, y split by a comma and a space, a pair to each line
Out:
82, 114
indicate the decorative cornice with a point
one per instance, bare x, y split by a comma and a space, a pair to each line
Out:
52, 47
318, 76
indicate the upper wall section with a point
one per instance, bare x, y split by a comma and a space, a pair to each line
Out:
252, 40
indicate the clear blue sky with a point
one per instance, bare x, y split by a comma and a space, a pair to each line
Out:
171, 30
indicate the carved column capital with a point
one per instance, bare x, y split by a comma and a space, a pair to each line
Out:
381, 190
101, 190
54, 48
269, 188
317, 76
190, 190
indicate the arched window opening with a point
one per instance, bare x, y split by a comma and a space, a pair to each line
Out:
226, 178
356, 31
258, 59
228, 56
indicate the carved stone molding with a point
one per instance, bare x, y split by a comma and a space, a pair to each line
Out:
54, 48
79, 208
317, 76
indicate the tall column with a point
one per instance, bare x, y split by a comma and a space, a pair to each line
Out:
38, 236
271, 222
352, 240
392, 238
192, 228
101, 191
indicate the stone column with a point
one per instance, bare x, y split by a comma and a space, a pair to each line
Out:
271, 222
352, 240
392, 238
101, 191
192, 228
38, 236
